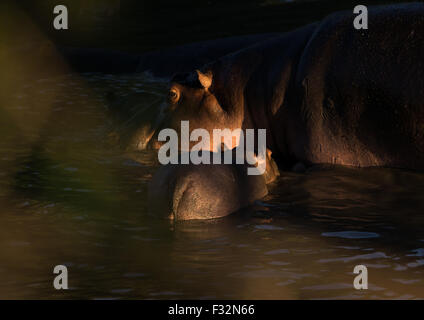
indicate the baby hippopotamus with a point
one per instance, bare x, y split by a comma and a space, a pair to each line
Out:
206, 191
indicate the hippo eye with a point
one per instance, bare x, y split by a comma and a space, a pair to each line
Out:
173, 95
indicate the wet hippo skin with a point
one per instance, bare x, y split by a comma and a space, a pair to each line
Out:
203, 191
206, 191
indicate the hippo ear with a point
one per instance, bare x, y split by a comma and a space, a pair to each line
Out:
205, 79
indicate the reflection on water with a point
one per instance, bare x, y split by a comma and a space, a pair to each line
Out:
68, 197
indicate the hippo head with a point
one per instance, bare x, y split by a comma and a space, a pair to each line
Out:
193, 97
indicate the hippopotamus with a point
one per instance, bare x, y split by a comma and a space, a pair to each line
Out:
206, 191
326, 93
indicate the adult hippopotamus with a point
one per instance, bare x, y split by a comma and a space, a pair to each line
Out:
325, 93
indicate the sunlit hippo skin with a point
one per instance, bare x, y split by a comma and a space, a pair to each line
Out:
206, 191
326, 93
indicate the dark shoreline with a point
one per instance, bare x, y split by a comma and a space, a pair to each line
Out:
125, 36
143, 26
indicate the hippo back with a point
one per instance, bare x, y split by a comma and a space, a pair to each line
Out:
361, 92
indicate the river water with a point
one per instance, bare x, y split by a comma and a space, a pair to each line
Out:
69, 197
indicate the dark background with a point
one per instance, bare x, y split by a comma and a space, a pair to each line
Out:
140, 25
